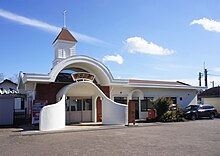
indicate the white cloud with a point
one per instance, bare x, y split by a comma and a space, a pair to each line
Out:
140, 45
114, 58
208, 24
47, 27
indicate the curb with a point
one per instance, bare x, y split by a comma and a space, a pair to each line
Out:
37, 132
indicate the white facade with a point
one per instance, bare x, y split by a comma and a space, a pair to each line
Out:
55, 116
112, 112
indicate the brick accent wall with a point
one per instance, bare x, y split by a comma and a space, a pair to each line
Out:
105, 90
48, 91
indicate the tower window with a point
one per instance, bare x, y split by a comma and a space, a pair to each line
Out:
72, 51
61, 53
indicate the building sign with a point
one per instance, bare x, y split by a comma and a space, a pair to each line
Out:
83, 76
37, 105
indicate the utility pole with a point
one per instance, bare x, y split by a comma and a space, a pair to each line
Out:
200, 79
206, 77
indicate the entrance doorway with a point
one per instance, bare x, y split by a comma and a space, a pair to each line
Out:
136, 102
99, 109
136, 109
78, 110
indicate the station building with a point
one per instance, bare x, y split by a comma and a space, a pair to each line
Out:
82, 89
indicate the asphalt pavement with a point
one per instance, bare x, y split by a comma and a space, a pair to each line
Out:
201, 137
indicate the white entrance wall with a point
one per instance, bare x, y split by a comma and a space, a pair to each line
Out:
52, 117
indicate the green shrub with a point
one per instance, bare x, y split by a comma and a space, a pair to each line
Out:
162, 105
174, 114
167, 111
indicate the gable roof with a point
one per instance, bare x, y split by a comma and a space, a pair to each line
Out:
9, 81
65, 35
211, 93
5, 88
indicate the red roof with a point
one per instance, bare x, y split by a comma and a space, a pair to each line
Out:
65, 35
153, 82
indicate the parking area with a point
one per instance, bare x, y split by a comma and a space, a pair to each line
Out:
201, 137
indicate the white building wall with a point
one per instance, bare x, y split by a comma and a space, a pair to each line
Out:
184, 96
187, 96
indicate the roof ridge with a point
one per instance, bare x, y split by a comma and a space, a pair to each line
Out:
65, 35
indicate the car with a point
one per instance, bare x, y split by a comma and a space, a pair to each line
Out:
194, 112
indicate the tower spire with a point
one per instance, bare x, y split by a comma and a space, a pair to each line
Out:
64, 18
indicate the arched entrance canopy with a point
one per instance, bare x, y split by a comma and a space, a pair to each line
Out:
101, 72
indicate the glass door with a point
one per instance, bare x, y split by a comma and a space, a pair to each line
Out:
78, 110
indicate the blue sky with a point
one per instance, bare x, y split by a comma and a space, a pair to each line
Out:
140, 39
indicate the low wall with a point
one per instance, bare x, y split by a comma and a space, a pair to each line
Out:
52, 117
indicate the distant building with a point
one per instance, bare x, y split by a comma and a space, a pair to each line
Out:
82, 89
12, 104
212, 96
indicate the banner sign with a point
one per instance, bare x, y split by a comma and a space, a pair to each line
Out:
37, 105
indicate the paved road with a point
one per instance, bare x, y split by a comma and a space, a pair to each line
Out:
200, 138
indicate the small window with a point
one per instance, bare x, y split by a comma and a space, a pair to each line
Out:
72, 51
122, 100
135, 98
144, 105
87, 104
150, 102
22, 104
61, 53
151, 99
174, 100
75, 105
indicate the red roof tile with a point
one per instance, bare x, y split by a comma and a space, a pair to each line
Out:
65, 35
153, 82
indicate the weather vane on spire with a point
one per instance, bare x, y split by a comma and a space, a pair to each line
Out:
64, 18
